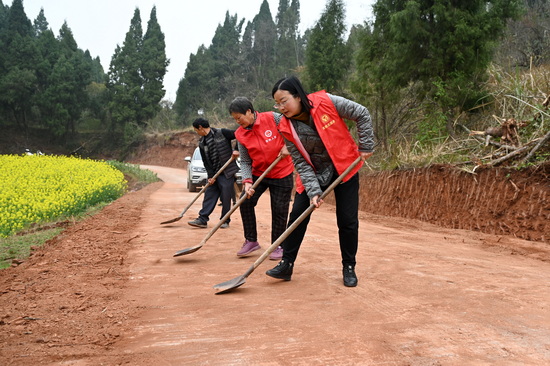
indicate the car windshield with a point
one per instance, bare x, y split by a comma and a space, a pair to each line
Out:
197, 154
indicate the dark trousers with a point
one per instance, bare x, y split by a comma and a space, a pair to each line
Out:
279, 193
347, 207
223, 190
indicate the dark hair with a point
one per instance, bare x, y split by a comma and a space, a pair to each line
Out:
201, 122
293, 85
241, 105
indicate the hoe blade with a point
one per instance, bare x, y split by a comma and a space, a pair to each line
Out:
171, 221
187, 250
230, 285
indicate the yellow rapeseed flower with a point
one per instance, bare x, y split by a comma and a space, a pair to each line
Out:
41, 188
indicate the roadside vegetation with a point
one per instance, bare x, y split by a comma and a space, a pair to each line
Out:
135, 176
42, 194
511, 127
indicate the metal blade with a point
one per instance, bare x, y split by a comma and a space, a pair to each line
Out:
227, 286
187, 251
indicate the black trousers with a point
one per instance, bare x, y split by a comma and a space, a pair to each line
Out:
280, 191
347, 218
223, 190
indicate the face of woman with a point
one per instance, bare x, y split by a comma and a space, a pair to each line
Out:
287, 104
244, 120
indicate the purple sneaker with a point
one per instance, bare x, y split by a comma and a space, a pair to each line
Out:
248, 247
277, 254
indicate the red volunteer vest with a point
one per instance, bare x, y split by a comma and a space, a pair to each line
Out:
264, 143
333, 131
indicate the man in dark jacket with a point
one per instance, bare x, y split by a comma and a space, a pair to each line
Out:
216, 149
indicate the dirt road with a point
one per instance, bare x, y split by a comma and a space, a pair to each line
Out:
426, 296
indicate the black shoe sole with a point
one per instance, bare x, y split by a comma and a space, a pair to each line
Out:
347, 284
201, 226
279, 277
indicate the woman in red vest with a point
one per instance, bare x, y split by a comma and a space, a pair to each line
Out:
322, 147
259, 145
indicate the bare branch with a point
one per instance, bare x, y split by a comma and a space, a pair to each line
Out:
544, 140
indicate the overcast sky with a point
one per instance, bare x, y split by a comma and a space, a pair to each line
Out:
99, 25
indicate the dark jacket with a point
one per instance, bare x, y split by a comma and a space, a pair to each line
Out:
222, 138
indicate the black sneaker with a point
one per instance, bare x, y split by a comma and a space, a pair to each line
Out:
282, 271
198, 223
350, 278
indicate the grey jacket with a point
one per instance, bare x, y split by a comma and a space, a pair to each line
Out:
314, 179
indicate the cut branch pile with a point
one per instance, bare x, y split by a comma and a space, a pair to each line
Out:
510, 146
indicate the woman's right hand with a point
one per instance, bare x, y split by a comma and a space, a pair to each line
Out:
248, 190
316, 201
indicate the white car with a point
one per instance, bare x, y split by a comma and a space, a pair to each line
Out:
196, 172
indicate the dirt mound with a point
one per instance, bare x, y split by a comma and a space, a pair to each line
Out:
497, 201
167, 150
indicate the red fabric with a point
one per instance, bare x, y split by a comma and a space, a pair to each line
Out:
334, 133
264, 143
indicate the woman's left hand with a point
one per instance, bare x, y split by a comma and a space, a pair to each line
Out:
284, 151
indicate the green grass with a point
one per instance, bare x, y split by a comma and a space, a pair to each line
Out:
19, 246
135, 172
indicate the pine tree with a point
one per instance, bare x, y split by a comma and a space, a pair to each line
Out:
19, 57
66, 40
40, 24
43, 78
226, 67
245, 55
327, 59
288, 50
58, 98
153, 69
17, 21
3, 39
196, 88
64, 97
125, 81
49, 49
445, 45
136, 74
3, 14
264, 36
97, 74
